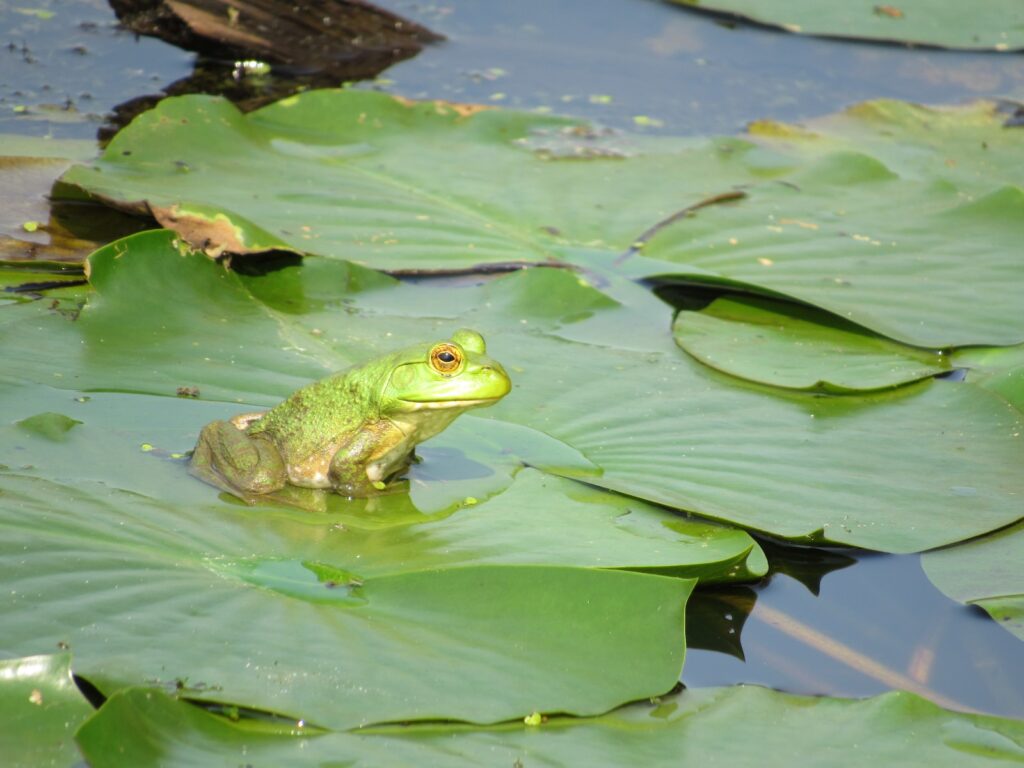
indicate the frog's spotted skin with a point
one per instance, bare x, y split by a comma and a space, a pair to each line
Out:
354, 431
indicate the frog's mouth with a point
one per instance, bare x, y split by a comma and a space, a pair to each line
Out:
436, 404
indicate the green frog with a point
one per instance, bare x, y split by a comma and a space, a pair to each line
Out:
355, 431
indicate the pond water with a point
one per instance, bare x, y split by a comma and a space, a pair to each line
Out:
674, 71
877, 621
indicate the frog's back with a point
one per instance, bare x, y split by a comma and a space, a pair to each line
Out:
323, 414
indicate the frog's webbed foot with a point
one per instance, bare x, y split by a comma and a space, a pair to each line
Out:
231, 460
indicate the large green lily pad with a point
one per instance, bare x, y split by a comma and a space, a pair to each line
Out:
985, 572
278, 618
41, 708
968, 145
372, 593
833, 236
642, 419
415, 186
996, 25
787, 345
714, 727
470, 502
395, 184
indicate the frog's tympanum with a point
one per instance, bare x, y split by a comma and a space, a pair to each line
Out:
354, 431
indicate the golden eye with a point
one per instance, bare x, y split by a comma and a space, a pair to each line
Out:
445, 358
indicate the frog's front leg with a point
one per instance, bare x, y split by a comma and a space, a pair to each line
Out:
374, 454
231, 460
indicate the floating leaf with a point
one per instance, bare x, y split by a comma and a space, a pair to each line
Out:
967, 145
985, 572
370, 184
729, 726
995, 25
787, 345
521, 517
41, 707
832, 237
205, 598
644, 420
357, 176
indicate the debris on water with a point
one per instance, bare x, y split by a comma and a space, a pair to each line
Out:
577, 142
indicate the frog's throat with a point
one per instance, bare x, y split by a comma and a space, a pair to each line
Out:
419, 405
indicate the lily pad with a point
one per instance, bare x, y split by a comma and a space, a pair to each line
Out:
985, 572
995, 25
373, 183
832, 237
41, 708
202, 598
787, 345
470, 502
968, 145
367, 185
385, 600
718, 727
644, 420
1000, 370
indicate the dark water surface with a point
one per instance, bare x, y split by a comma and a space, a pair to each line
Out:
877, 623
658, 61
633, 64
60, 74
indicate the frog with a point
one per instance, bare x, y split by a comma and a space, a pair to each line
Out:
354, 432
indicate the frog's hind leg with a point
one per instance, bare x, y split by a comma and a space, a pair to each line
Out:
231, 460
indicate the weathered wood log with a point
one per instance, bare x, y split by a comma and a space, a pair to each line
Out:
305, 36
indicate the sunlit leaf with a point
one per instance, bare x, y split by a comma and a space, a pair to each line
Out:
832, 236
204, 598
715, 727
993, 25
885, 471
787, 345
396, 184
40, 707
420, 186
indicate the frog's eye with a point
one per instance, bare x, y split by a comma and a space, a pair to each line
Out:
446, 358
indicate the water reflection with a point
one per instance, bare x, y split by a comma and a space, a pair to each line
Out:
818, 626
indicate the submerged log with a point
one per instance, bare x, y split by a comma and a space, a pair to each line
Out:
350, 37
